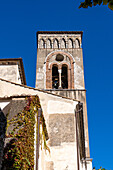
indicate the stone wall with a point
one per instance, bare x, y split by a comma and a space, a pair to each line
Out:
46, 54
43, 52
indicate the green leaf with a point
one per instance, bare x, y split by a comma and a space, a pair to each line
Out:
27, 161
105, 2
110, 5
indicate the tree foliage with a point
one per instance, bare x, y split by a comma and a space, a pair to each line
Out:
90, 3
99, 168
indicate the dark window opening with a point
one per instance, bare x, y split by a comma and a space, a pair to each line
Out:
64, 77
55, 77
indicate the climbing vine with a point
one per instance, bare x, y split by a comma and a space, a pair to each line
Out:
19, 153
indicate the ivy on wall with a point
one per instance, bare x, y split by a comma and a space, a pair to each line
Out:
19, 152
3, 123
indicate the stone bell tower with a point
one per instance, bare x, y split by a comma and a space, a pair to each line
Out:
60, 68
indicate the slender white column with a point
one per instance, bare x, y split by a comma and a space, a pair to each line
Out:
60, 71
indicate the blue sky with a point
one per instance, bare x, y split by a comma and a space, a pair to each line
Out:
19, 22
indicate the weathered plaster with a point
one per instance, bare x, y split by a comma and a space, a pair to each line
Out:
10, 72
4, 103
60, 107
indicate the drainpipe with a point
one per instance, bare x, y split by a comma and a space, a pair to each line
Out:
76, 115
38, 139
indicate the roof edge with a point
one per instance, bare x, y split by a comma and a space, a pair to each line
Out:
59, 32
21, 85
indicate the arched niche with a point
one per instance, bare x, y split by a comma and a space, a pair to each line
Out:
49, 44
70, 43
77, 43
42, 44
63, 43
55, 43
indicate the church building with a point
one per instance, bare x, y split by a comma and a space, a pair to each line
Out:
61, 89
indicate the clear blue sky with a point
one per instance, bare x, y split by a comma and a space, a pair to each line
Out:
19, 22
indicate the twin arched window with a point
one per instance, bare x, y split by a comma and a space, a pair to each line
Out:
60, 77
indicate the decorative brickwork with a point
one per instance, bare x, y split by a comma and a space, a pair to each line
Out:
59, 64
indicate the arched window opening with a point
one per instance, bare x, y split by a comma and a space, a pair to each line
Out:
77, 43
55, 77
49, 45
70, 43
42, 43
64, 76
55, 44
63, 43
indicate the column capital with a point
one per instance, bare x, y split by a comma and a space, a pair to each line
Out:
60, 71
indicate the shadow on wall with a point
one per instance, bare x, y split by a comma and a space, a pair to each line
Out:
14, 107
8, 163
3, 124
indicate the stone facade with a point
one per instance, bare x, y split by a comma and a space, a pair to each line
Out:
71, 51
69, 45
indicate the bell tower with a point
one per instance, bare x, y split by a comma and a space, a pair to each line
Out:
60, 68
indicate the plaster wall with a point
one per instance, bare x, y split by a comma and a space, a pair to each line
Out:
60, 125
10, 72
81, 96
60, 121
62, 136
4, 103
58, 160
89, 165
9, 89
